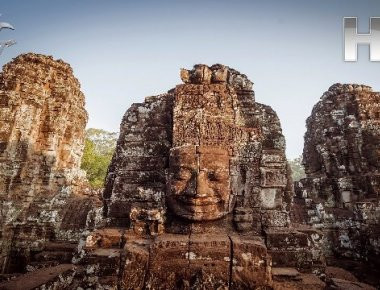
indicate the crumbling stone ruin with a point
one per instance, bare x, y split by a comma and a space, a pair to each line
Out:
341, 158
42, 189
198, 195
200, 186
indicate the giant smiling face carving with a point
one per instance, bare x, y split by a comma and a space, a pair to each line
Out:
199, 182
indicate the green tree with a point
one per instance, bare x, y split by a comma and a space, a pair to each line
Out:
298, 171
98, 150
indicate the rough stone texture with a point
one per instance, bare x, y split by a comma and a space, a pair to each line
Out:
42, 189
198, 194
340, 194
135, 186
168, 138
197, 185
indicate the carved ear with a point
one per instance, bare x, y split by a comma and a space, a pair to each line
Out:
231, 202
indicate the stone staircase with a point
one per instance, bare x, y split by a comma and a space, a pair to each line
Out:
298, 248
315, 213
102, 267
102, 259
53, 254
300, 245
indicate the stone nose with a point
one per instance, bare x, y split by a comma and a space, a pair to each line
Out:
203, 189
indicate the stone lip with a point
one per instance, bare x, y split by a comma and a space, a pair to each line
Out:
217, 73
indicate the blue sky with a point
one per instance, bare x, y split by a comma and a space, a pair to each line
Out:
122, 51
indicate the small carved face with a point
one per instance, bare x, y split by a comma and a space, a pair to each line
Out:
199, 182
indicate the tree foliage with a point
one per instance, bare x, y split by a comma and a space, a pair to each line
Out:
99, 148
298, 171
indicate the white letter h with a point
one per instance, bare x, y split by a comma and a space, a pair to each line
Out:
352, 39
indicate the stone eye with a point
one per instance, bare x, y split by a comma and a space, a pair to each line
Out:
212, 176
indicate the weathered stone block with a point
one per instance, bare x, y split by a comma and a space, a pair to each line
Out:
270, 198
286, 239
209, 260
105, 238
251, 264
169, 266
275, 218
136, 264
273, 177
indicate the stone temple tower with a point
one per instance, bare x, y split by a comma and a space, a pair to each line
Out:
342, 184
42, 127
199, 176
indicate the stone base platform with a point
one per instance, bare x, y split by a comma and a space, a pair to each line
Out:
173, 261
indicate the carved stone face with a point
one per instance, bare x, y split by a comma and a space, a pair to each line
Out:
199, 183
